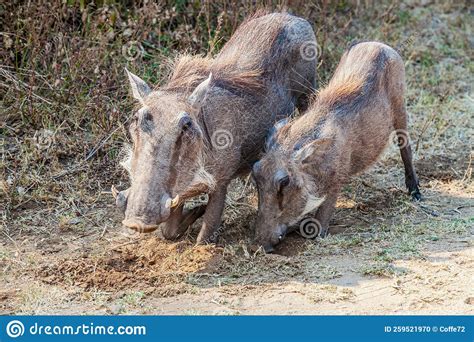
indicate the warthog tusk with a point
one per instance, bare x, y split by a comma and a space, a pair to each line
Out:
175, 201
115, 192
171, 203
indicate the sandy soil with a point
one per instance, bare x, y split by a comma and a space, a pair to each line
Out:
363, 270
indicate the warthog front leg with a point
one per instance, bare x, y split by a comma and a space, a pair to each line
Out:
212, 217
180, 220
400, 123
325, 211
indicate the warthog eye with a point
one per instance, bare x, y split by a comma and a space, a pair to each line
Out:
147, 116
186, 123
284, 181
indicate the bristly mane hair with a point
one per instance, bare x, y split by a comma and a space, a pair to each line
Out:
188, 73
348, 87
246, 75
228, 72
230, 78
348, 90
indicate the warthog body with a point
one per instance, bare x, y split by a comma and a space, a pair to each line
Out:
208, 124
344, 131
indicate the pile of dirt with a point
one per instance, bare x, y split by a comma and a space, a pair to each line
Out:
150, 265
162, 268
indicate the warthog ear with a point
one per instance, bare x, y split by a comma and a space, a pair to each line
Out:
140, 89
271, 138
199, 94
313, 151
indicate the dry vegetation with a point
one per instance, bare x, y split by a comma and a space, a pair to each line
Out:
64, 110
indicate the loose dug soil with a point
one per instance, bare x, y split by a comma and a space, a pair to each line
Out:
150, 264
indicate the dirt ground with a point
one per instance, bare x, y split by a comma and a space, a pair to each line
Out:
63, 250
387, 255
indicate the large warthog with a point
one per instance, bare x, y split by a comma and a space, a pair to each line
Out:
208, 124
344, 131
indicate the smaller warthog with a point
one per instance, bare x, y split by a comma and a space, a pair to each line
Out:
344, 131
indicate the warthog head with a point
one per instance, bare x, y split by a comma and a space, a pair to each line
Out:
287, 189
165, 163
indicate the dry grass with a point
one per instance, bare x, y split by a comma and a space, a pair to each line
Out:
65, 105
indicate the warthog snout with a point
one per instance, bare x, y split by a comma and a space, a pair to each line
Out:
139, 225
141, 218
142, 212
271, 237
